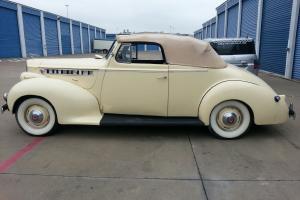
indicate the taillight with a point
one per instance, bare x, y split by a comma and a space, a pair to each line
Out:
256, 66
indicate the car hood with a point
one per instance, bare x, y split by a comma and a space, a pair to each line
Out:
66, 63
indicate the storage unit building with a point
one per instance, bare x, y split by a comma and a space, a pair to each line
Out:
32, 31
233, 11
9, 32
221, 20
29, 32
51, 34
275, 35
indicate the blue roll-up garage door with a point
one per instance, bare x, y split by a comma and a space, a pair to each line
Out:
65, 36
221, 24
32, 30
204, 32
9, 31
275, 35
213, 30
208, 32
233, 13
296, 68
249, 18
85, 39
76, 37
98, 34
92, 36
51, 34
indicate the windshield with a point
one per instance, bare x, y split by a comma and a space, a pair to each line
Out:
110, 50
233, 47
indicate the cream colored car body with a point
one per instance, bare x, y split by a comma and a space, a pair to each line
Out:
165, 90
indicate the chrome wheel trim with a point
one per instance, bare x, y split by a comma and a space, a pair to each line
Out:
37, 116
229, 118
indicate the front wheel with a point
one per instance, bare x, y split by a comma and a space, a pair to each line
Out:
230, 120
36, 117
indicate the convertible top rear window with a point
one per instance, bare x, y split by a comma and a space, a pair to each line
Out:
233, 47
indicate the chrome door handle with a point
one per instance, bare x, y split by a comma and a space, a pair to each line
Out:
162, 77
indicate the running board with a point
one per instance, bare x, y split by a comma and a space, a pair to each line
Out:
135, 120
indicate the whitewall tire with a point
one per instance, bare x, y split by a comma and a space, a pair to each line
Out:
230, 120
36, 117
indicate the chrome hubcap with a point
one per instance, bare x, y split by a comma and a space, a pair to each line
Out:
229, 119
37, 116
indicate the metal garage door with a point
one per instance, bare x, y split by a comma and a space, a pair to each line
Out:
76, 37
65, 36
85, 38
9, 33
275, 35
213, 30
233, 13
221, 24
32, 29
208, 31
296, 69
98, 36
51, 34
92, 35
204, 32
249, 18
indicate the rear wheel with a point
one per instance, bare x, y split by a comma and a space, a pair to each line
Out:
36, 117
230, 120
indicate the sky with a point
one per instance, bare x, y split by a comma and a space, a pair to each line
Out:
176, 16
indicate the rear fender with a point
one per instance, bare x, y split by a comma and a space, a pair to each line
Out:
259, 99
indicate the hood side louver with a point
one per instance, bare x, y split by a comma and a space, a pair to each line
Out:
73, 72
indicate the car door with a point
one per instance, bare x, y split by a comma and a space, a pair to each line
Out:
136, 81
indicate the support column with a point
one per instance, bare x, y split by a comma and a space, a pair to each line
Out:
72, 38
258, 28
59, 36
292, 40
21, 31
81, 41
239, 23
44, 44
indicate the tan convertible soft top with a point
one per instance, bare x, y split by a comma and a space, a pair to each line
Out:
180, 50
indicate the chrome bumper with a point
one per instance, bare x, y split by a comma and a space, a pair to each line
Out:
5, 106
292, 113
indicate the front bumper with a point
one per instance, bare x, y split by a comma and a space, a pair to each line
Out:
5, 106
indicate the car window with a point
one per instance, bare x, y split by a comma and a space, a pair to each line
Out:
140, 53
233, 47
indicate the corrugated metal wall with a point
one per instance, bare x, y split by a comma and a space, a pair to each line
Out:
32, 30
51, 34
296, 69
275, 35
76, 37
249, 18
92, 36
9, 31
233, 12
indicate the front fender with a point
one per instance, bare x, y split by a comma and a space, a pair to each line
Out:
73, 104
260, 99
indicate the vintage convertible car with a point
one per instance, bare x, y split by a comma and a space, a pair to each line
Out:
145, 77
